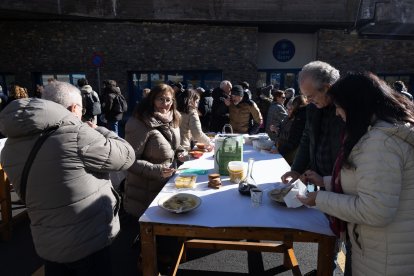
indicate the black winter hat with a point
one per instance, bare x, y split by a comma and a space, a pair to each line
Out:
237, 90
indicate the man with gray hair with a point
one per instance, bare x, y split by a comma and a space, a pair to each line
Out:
219, 110
65, 184
290, 95
320, 141
321, 138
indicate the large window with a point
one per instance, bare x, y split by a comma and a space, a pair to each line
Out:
42, 79
408, 80
190, 79
280, 79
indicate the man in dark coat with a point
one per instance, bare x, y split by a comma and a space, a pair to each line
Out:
205, 107
220, 111
109, 107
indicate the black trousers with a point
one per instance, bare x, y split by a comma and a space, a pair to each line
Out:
98, 263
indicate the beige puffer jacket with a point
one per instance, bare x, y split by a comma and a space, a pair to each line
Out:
190, 129
70, 200
240, 116
152, 151
378, 201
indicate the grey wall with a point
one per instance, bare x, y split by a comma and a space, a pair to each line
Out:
350, 52
69, 47
223, 10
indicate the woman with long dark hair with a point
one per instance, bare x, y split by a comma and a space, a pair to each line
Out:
371, 193
153, 131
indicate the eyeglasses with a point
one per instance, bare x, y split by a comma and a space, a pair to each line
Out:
83, 109
164, 100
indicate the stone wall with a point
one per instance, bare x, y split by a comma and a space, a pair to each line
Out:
350, 52
68, 47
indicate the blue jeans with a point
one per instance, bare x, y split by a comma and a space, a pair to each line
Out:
112, 125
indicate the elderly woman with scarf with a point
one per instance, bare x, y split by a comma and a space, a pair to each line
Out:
370, 194
153, 131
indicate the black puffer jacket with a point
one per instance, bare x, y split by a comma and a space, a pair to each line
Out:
205, 108
291, 130
220, 111
109, 94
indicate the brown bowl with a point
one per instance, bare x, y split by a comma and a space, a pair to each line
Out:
201, 146
196, 154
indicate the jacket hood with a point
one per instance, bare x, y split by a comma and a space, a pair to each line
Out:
112, 89
86, 89
403, 131
29, 116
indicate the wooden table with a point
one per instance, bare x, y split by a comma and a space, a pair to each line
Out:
217, 220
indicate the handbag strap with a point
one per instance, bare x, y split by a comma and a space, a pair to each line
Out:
39, 142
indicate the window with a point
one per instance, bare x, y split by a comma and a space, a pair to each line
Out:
279, 78
157, 78
6, 81
408, 80
261, 79
190, 79
43, 79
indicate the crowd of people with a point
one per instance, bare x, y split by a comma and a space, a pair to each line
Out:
351, 136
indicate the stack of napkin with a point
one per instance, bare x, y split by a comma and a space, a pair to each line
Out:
298, 189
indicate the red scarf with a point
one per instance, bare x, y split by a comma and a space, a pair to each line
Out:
337, 225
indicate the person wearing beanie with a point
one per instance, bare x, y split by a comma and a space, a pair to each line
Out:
246, 89
241, 109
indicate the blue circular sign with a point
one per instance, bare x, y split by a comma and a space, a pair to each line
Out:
284, 50
97, 59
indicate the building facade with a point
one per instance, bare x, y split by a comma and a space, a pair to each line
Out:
142, 43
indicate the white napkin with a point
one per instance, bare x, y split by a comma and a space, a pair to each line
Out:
298, 189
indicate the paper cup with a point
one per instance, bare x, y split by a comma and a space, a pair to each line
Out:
256, 196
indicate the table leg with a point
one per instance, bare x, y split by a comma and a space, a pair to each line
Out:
148, 250
5, 207
326, 253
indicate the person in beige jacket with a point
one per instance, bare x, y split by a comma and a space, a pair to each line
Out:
190, 125
242, 110
370, 193
153, 131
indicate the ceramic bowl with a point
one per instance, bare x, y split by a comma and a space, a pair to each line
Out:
196, 154
201, 146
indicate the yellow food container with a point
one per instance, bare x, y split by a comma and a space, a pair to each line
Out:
237, 171
185, 181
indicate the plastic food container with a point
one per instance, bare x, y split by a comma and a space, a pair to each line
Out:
237, 171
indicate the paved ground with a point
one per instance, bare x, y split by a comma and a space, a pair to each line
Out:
19, 258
